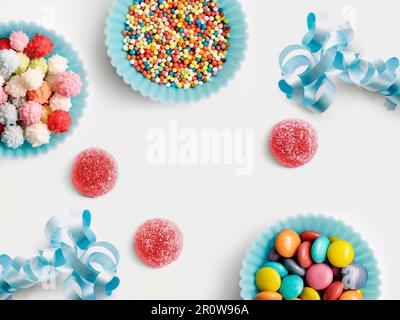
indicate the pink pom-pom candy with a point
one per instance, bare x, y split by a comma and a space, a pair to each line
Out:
69, 84
19, 41
3, 96
30, 113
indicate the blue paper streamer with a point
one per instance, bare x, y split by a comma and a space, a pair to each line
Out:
91, 266
306, 68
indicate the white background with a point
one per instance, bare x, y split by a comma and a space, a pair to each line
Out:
355, 175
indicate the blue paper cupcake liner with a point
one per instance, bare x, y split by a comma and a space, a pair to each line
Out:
61, 47
257, 255
114, 41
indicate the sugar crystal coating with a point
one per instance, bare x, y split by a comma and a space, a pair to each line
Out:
293, 143
94, 172
158, 242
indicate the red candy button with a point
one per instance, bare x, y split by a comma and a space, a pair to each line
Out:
309, 236
293, 143
304, 255
334, 291
94, 172
158, 242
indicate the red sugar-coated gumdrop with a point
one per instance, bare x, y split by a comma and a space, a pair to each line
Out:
94, 172
5, 44
293, 143
158, 242
39, 47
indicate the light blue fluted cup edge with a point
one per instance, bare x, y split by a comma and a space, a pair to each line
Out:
236, 54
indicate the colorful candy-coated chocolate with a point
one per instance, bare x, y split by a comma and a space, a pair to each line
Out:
340, 253
355, 276
360, 292
309, 236
337, 273
294, 267
319, 249
319, 276
323, 263
274, 255
292, 286
333, 239
304, 255
309, 294
286, 243
268, 279
279, 267
268, 295
334, 291
351, 295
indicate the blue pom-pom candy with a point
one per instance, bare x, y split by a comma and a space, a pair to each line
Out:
306, 68
8, 114
9, 62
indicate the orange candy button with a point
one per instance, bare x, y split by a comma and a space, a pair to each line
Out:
351, 295
268, 295
286, 243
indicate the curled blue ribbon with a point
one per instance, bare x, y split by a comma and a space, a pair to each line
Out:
91, 266
306, 68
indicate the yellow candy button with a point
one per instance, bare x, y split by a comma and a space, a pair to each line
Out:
340, 253
268, 279
333, 239
309, 294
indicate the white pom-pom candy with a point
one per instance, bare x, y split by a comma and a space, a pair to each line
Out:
57, 64
37, 134
13, 137
59, 102
32, 79
16, 87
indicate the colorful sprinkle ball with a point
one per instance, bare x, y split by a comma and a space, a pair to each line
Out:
94, 172
293, 143
158, 242
177, 43
310, 266
35, 91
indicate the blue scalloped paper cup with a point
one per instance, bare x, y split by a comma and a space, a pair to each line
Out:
257, 255
236, 54
61, 47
